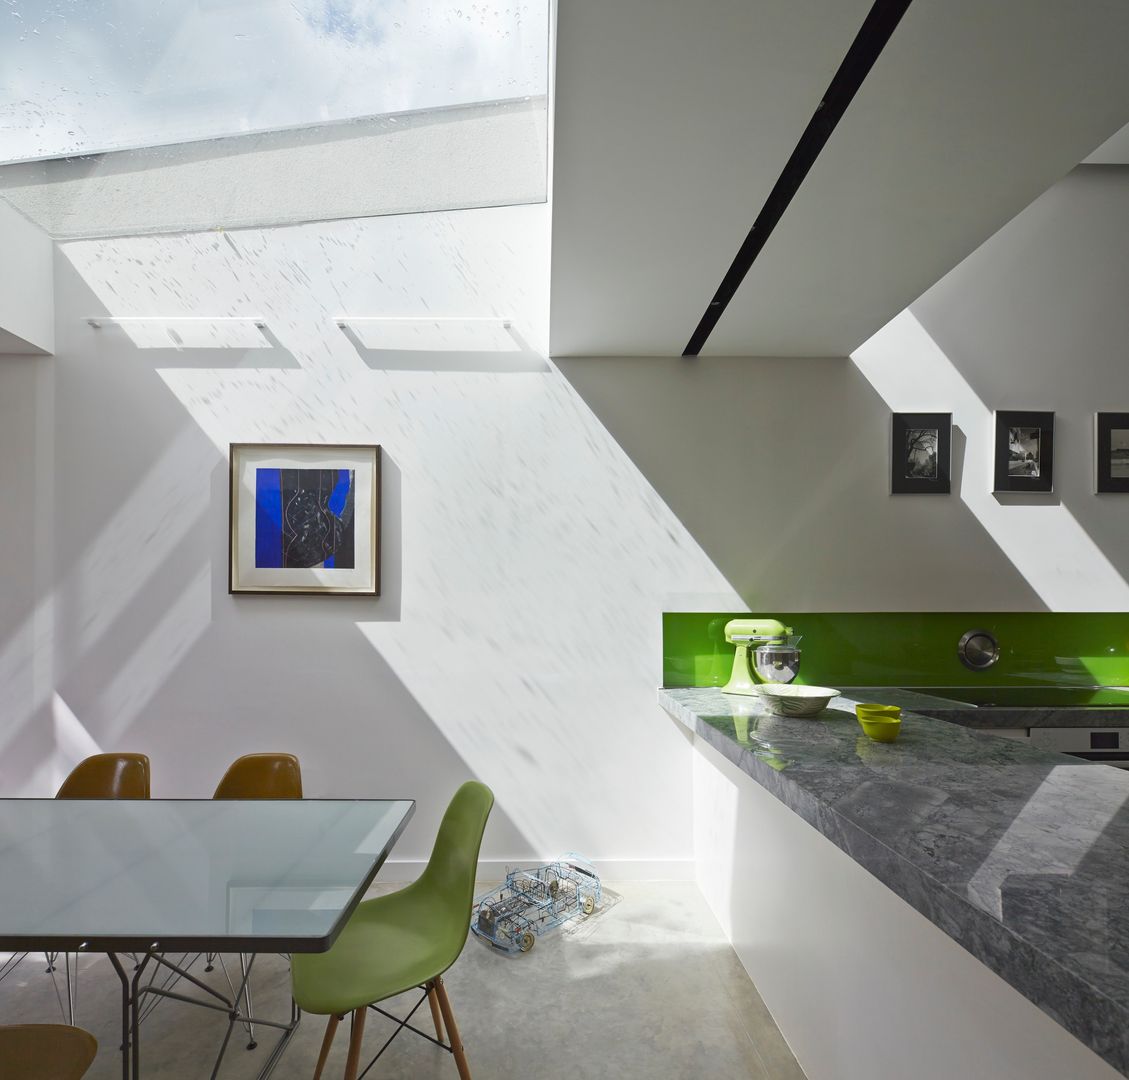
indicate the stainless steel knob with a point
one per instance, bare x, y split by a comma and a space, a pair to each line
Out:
978, 650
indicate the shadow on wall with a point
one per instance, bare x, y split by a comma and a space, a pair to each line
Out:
520, 357
780, 469
1036, 319
143, 625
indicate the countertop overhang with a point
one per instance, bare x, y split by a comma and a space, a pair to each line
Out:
1018, 854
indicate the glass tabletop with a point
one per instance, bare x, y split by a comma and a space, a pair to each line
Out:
170, 875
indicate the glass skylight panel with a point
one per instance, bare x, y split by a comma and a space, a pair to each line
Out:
79, 77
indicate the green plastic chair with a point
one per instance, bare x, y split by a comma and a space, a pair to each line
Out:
402, 941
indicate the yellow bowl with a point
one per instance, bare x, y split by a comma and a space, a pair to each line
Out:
881, 728
878, 712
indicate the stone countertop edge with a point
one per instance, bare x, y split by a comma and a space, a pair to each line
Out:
1097, 1016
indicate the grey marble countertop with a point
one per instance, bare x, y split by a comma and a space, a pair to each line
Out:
1018, 854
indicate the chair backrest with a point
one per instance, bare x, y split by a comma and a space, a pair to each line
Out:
45, 1052
262, 776
451, 870
108, 776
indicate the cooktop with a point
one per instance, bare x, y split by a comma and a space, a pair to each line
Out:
1031, 697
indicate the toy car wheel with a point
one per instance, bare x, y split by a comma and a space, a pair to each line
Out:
588, 906
526, 941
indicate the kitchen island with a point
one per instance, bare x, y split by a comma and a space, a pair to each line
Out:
949, 894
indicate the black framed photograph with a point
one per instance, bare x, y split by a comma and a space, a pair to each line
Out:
1025, 451
921, 453
1112, 452
304, 519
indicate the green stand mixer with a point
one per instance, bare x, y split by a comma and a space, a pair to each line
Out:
767, 651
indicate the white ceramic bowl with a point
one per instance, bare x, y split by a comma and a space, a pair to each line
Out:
789, 699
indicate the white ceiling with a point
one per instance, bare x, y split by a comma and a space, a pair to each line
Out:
674, 121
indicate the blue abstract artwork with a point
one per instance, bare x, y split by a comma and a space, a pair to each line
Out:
304, 518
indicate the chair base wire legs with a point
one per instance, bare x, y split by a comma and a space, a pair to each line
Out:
435, 993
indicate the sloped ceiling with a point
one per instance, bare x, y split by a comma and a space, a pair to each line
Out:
673, 122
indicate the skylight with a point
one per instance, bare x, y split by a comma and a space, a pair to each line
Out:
80, 77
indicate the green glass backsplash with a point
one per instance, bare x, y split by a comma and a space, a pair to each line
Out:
914, 648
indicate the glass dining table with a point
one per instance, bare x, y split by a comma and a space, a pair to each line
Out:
142, 880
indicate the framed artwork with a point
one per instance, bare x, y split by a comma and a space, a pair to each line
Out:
921, 453
1025, 451
304, 519
1112, 452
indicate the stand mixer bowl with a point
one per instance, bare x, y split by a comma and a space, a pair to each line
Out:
776, 663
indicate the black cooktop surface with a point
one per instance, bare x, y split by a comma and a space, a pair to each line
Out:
1031, 697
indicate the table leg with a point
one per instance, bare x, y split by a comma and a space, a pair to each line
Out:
135, 1015
233, 1016
125, 1047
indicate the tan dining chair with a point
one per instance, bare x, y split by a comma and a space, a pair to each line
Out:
108, 776
257, 776
261, 776
45, 1052
100, 776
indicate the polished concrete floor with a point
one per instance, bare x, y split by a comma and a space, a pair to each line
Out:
647, 987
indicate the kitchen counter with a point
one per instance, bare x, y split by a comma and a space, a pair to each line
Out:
1019, 855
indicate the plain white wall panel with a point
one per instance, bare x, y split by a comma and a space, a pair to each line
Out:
27, 297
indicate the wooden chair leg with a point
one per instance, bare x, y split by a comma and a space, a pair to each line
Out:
356, 1034
433, 1001
455, 1041
326, 1043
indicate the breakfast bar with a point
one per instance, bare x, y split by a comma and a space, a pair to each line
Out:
973, 888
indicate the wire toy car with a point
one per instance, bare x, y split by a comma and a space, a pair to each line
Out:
535, 900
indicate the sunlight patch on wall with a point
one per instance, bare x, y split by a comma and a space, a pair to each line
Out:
1042, 539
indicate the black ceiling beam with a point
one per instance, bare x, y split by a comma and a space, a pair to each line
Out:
871, 39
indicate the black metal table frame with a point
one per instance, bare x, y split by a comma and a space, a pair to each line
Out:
133, 990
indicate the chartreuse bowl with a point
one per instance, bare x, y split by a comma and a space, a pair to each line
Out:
791, 699
882, 725
878, 712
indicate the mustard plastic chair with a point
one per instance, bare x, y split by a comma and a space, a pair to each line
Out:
101, 776
402, 941
45, 1052
262, 776
257, 776
108, 776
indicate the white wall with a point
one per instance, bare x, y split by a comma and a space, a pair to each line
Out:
27, 310
527, 558
780, 467
526, 561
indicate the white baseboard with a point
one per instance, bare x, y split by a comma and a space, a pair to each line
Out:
610, 870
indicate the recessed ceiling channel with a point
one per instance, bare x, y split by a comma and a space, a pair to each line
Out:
876, 31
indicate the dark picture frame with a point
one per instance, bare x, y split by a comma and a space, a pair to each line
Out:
1111, 453
1025, 451
304, 518
921, 447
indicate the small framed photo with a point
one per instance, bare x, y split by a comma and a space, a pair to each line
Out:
921, 453
1025, 451
304, 519
1112, 456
